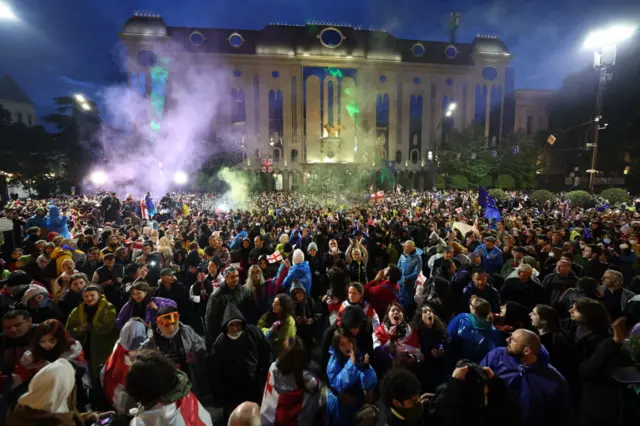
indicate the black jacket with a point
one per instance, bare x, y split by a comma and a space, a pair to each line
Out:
528, 294
217, 305
239, 367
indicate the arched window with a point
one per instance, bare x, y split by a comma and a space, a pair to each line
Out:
257, 153
415, 156
294, 155
398, 156
276, 155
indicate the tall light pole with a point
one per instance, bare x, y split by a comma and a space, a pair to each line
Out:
603, 43
451, 107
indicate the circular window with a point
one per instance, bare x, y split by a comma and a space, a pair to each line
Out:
451, 52
383, 78
275, 74
489, 73
416, 80
147, 58
237, 73
236, 40
417, 49
196, 38
331, 37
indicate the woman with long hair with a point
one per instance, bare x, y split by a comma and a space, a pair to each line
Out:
50, 342
547, 321
292, 392
432, 334
278, 324
262, 290
394, 340
141, 305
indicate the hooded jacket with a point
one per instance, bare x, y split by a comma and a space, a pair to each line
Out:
472, 338
411, 266
57, 223
239, 366
300, 271
217, 305
543, 392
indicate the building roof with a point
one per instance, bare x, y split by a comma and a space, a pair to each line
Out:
10, 91
315, 39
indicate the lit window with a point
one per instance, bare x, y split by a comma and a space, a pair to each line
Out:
236, 40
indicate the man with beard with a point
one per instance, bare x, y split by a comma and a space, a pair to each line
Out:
112, 244
239, 362
109, 278
542, 391
401, 403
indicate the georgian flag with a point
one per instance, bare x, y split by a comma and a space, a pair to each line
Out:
377, 196
275, 257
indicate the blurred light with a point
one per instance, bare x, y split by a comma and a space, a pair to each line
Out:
430, 155
448, 114
7, 13
452, 106
79, 97
180, 177
85, 106
608, 37
98, 178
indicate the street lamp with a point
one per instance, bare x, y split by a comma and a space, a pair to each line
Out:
451, 107
6, 13
82, 101
603, 43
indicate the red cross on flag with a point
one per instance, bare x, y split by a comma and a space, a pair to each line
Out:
266, 165
377, 196
275, 257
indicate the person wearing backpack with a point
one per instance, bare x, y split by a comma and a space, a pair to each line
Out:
472, 334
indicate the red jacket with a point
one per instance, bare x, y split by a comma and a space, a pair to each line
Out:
381, 294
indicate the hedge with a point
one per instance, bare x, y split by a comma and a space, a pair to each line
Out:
615, 195
581, 198
541, 196
459, 182
505, 182
498, 194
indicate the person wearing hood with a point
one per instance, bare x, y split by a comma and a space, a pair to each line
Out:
305, 312
92, 323
50, 400
239, 362
113, 376
57, 222
229, 292
299, 271
236, 242
524, 366
182, 345
472, 335
164, 394
410, 264
38, 219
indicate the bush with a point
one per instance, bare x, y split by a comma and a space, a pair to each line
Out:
541, 196
440, 182
505, 182
486, 181
581, 198
615, 195
459, 182
498, 194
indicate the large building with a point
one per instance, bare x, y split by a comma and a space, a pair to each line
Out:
307, 99
532, 110
14, 100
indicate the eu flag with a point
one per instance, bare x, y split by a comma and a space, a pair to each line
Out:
486, 201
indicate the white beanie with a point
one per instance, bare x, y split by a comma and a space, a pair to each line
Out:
298, 256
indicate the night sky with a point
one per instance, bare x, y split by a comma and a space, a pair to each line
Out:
64, 46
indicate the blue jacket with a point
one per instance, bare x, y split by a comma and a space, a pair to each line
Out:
491, 260
489, 294
301, 272
342, 378
35, 220
543, 392
411, 266
472, 338
56, 223
236, 243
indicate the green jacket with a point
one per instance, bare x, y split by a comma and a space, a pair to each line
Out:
102, 333
287, 329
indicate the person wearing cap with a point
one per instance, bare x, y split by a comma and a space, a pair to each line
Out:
491, 255
510, 265
170, 288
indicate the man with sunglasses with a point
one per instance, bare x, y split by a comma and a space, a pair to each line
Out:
182, 345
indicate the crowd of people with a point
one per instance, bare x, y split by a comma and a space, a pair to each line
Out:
328, 309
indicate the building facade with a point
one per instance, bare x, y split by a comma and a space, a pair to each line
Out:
14, 100
532, 110
304, 100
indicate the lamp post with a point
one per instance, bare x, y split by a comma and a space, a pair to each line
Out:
603, 43
451, 107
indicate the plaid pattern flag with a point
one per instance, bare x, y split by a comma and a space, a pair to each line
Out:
377, 196
275, 257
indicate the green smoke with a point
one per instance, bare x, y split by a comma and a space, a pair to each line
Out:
239, 186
